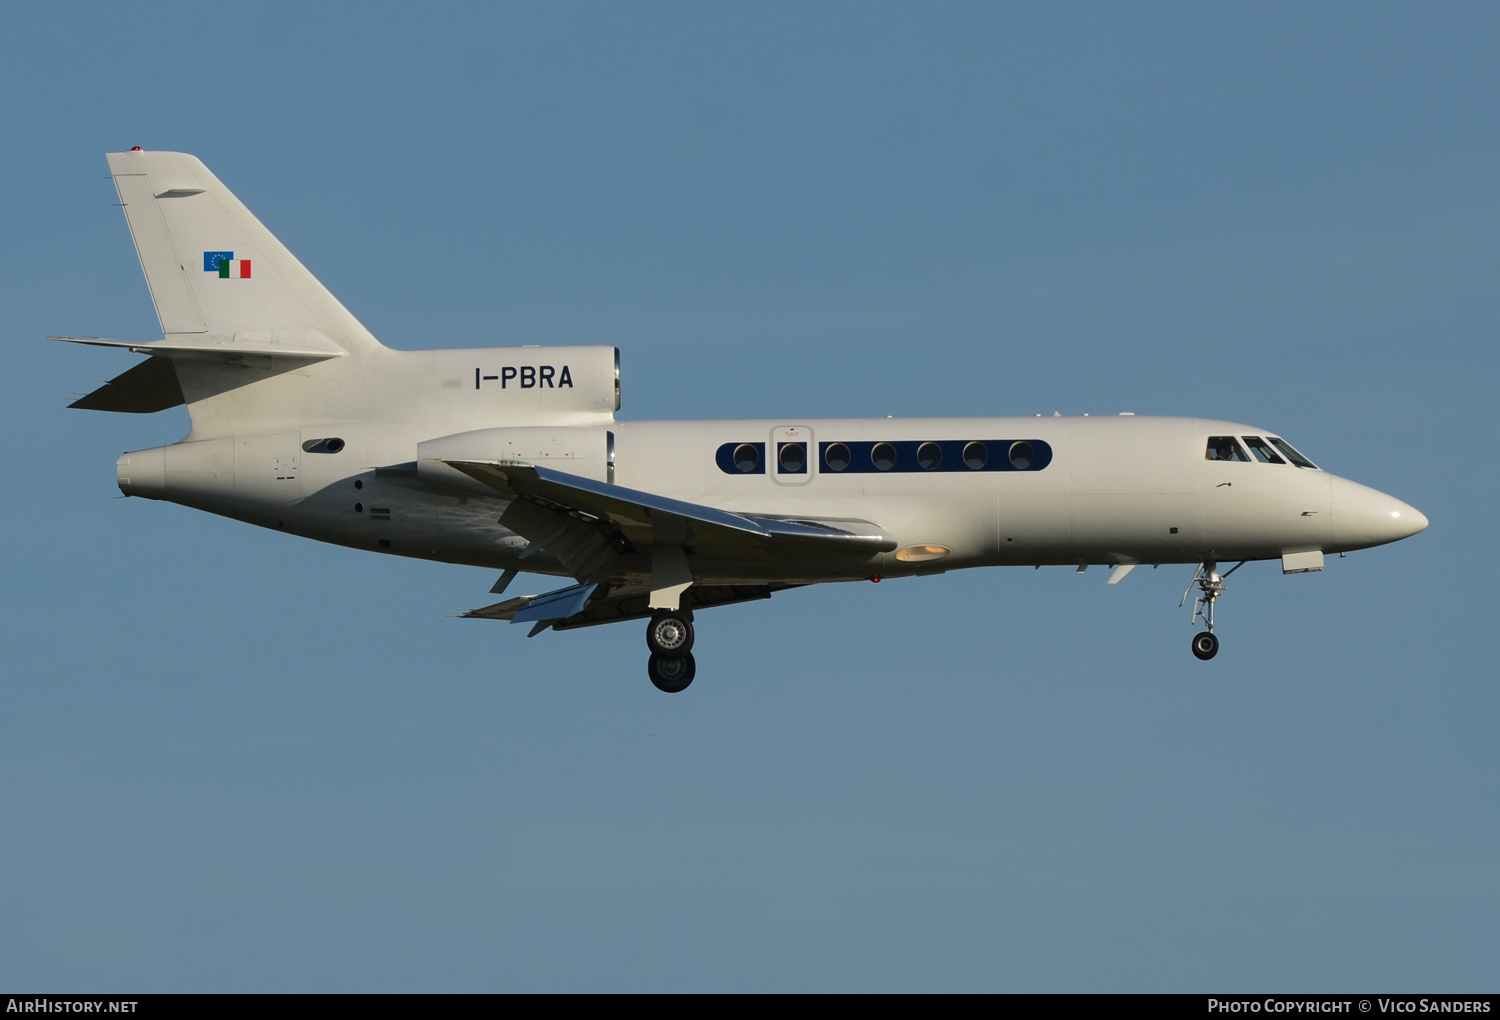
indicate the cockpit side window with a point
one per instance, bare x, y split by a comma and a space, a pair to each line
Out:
1225, 448
1291, 454
1262, 450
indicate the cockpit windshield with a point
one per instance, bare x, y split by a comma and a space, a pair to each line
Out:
1291, 454
1224, 448
1262, 451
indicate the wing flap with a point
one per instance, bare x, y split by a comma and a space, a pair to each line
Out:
556, 605
581, 548
627, 602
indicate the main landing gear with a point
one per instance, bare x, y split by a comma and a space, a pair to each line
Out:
671, 676
1210, 586
669, 635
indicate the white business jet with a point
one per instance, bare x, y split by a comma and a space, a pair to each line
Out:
511, 458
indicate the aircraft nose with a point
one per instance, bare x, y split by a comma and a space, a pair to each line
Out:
1363, 516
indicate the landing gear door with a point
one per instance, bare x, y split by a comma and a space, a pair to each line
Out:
792, 455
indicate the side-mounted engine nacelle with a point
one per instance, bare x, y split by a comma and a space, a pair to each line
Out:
197, 474
586, 451
254, 478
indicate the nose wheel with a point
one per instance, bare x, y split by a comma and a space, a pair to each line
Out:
1210, 586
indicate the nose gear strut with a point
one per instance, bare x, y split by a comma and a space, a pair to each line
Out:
1210, 586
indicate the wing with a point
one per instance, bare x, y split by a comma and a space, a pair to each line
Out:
583, 522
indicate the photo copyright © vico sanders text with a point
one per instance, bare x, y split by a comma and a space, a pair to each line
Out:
70, 1006
1348, 1005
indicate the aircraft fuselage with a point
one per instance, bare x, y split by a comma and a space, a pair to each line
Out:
1111, 490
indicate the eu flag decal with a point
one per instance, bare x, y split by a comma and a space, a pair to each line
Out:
226, 265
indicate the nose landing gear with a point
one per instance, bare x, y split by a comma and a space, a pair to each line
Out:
1210, 586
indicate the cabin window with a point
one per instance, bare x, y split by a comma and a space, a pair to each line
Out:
1291, 454
929, 456
1262, 450
1225, 448
976, 456
836, 456
1021, 455
883, 456
792, 457
747, 457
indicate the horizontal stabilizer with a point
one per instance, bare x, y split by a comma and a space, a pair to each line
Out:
149, 386
305, 344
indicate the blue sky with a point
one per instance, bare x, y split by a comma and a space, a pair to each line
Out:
231, 759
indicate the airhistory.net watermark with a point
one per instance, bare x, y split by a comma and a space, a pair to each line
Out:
42, 1004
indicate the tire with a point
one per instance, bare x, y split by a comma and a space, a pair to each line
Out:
669, 635
1205, 646
671, 676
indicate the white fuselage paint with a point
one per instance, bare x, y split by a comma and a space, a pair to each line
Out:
1118, 490
304, 422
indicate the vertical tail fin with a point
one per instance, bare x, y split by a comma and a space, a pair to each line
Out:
213, 268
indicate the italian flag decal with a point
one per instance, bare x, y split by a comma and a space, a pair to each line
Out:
225, 265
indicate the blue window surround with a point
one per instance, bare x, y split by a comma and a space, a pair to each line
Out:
724, 457
906, 456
